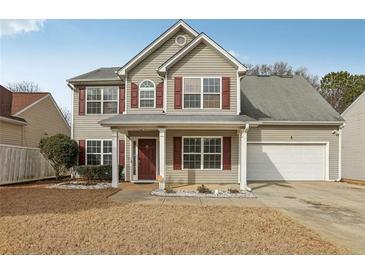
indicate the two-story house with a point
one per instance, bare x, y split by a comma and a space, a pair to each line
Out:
183, 109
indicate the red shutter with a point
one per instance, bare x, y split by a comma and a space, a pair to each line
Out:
81, 152
159, 95
177, 153
121, 153
178, 93
121, 99
226, 153
81, 100
226, 88
134, 95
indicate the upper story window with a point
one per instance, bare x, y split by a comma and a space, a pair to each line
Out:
101, 100
202, 92
147, 94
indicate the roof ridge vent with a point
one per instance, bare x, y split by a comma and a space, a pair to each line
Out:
285, 75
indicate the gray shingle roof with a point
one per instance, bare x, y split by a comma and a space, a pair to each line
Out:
97, 75
275, 98
163, 119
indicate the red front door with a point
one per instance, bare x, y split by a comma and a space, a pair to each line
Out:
147, 159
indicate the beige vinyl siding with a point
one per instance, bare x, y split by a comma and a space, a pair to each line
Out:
201, 176
204, 60
43, 120
353, 141
11, 134
88, 127
301, 134
147, 68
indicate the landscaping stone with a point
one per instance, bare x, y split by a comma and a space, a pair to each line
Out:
78, 185
196, 194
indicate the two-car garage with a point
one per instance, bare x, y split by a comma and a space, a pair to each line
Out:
287, 161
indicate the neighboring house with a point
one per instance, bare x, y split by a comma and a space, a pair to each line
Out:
27, 117
353, 140
183, 108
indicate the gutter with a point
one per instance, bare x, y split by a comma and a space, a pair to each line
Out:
301, 122
13, 121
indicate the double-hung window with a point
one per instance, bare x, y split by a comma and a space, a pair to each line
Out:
147, 94
202, 92
99, 152
202, 152
101, 100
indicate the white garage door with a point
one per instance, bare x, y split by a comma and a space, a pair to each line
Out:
286, 162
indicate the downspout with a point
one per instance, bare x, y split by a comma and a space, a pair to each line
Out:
72, 87
340, 152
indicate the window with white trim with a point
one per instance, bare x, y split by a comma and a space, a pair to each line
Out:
98, 152
202, 92
202, 152
102, 100
147, 94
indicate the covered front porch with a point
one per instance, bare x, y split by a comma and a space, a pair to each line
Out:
184, 153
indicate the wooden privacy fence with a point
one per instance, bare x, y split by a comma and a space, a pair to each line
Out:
23, 164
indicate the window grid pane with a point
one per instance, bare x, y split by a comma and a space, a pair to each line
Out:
192, 100
110, 94
93, 107
211, 101
93, 159
110, 107
192, 85
211, 85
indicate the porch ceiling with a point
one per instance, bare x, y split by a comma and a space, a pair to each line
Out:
156, 120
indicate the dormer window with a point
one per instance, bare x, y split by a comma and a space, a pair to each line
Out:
147, 97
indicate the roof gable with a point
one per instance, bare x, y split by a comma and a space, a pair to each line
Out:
360, 98
155, 44
201, 38
22, 100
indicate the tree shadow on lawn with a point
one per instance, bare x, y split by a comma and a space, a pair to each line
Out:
18, 201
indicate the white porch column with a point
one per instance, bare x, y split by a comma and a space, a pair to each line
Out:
243, 158
162, 155
115, 167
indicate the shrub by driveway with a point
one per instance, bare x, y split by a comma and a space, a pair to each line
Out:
39, 220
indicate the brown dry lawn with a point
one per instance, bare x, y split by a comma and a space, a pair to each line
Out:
38, 220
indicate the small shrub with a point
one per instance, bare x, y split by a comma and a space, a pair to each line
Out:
203, 189
169, 189
97, 172
233, 190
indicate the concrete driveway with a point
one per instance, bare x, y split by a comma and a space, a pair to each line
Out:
335, 210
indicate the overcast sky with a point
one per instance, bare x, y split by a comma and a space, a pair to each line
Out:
50, 51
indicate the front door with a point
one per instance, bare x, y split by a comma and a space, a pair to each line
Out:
147, 159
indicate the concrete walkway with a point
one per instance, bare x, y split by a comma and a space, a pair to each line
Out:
334, 210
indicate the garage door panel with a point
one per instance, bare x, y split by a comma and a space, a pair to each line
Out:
286, 162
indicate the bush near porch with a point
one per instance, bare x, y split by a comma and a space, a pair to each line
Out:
97, 172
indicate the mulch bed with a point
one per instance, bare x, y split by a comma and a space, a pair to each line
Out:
40, 220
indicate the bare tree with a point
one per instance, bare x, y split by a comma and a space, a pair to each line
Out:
66, 114
24, 86
283, 68
312, 79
